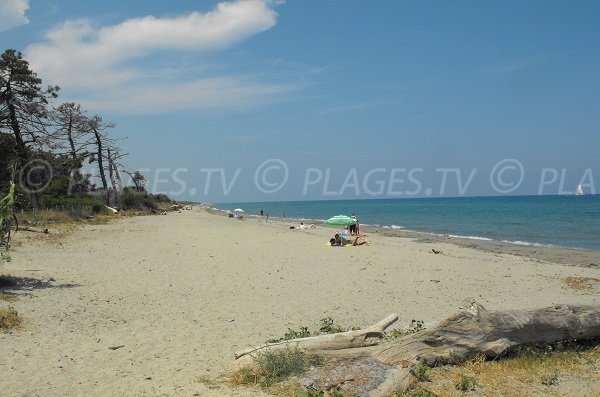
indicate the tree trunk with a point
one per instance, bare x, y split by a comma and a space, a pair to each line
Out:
21, 151
472, 330
70, 138
111, 173
101, 164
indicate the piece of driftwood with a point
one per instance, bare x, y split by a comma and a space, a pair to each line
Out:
33, 229
471, 330
351, 339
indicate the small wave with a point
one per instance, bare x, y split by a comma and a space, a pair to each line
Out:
470, 237
396, 227
526, 244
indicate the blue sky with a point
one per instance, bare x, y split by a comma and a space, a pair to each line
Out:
293, 100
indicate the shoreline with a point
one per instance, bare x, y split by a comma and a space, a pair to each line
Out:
549, 253
554, 254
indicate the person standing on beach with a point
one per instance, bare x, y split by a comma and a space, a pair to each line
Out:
353, 228
262, 213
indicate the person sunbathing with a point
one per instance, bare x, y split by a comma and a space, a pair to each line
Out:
339, 241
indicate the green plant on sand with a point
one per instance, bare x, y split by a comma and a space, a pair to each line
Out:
7, 216
9, 318
327, 326
272, 367
466, 383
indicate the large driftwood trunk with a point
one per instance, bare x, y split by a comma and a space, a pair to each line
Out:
472, 330
332, 342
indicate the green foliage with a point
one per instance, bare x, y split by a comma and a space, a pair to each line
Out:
7, 159
57, 194
139, 181
277, 366
291, 334
466, 383
303, 332
416, 392
414, 327
550, 379
131, 199
272, 367
421, 370
329, 327
7, 216
9, 318
310, 392
336, 392
161, 198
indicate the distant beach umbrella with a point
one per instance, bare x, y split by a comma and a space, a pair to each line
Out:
340, 220
238, 210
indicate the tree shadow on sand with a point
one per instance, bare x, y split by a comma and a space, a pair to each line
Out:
15, 285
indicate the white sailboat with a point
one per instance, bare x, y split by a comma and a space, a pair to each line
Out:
579, 191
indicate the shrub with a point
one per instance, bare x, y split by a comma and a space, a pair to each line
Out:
303, 332
421, 371
161, 198
277, 366
329, 327
9, 318
550, 379
466, 383
48, 201
272, 367
130, 199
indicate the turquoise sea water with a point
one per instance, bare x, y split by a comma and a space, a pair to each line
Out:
570, 221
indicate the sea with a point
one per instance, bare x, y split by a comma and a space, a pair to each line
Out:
565, 221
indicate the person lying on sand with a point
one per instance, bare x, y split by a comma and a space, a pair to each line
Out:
303, 226
339, 241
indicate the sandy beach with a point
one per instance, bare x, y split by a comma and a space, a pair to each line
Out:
151, 305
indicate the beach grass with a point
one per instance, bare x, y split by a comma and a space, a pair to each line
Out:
50, 217
532, 371
583, 284
7, 298
9, 318
272, 367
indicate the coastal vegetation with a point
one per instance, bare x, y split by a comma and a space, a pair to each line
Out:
7, 219
404, 364
44, 146
43, 149
528, 371
9, 318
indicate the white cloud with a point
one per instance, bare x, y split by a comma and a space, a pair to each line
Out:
97, 62
12, 14
210, 93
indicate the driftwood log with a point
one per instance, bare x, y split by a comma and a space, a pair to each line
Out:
333, 342
33, 229
471, 330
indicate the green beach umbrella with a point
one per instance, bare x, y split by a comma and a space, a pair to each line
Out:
340, 220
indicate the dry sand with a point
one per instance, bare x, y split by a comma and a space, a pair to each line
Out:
182, 292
